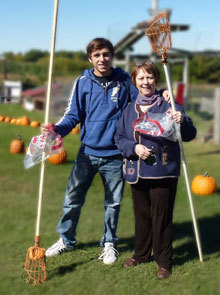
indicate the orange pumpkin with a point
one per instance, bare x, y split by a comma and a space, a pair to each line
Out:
13, 121
25, 121
75, 130
36, 253
58, 158
204, 185
35, 124
7, 119
17, 146
18, 121
2, 118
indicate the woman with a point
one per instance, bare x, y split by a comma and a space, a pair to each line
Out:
152, 167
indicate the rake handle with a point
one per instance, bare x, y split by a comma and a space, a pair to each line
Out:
37, 241
47, 114
168, 80
159, 34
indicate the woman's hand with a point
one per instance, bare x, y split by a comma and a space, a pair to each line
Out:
177, 117
142, 151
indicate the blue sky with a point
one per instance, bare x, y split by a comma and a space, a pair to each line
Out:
27, 24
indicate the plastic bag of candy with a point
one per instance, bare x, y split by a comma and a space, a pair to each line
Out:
157, 124
42, 147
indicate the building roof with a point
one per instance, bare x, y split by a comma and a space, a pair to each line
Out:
38, 90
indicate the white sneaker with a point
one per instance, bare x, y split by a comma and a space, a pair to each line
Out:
57, 249
109, 254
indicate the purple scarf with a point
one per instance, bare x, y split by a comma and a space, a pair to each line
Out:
149, 100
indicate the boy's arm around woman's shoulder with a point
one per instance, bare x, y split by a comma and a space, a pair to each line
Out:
188, 130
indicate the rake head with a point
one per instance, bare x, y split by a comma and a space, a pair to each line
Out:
159, 34
35, 265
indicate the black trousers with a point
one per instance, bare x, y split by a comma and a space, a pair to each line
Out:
153, 201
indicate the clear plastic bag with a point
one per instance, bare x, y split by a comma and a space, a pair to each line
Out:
43, 146
157, 124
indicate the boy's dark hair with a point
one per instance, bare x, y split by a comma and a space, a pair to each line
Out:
149, 67
97, 44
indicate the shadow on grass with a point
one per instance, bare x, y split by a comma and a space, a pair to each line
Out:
70, 161
124, 244
62, 270
186, 251
216, 152
209, 235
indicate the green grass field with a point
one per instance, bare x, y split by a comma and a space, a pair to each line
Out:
80, 272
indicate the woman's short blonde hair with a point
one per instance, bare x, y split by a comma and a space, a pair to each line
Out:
149, 67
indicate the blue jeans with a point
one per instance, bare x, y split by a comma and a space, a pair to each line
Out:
80, 179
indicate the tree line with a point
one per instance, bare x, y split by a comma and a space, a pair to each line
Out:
31, 67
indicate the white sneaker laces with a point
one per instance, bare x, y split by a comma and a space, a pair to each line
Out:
58, 245
57, 248
108, 251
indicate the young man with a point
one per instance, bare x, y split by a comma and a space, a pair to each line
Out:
98, 98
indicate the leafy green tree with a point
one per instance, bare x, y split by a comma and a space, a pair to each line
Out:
19, 57
80, 55
9, 55
64, 53
66, 66
76, 55
205, 69
32, 66
34, 54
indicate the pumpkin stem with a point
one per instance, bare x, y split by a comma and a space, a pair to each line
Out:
18, 137
206, 174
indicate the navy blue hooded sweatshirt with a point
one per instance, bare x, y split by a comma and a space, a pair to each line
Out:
98, 110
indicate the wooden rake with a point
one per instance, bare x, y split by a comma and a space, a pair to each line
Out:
35, 264
159, 35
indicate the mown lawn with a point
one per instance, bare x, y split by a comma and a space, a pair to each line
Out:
80, 272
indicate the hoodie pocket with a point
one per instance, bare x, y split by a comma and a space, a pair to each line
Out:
100, 134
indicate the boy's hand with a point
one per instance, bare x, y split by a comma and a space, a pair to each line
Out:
44, 128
